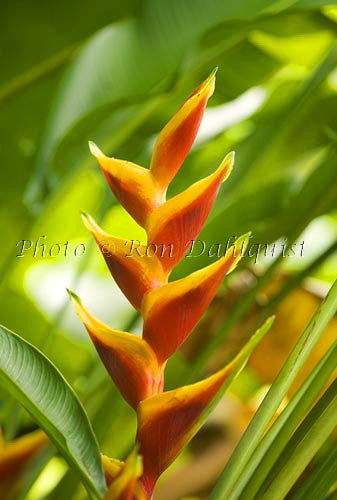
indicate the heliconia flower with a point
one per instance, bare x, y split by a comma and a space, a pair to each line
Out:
125, 484
134, 186
173, 225
168, 421
135, 275
177, 137
129, 359
172, 311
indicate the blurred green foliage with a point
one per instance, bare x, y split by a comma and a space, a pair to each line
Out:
115, 72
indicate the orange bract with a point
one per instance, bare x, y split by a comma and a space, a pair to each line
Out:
135, 275
134, 187
15, 455
128, 359
177, 137
168, 421
179, 220
170, 312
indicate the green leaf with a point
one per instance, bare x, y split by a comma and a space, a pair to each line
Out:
32, 379
248, 443
320, 480
277, 438
305, 443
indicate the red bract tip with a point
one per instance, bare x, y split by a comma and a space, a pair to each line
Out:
177, 137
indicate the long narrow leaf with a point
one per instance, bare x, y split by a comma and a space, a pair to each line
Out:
309, 438
35, 382
300, 433
274, 442
319, 482
245, 449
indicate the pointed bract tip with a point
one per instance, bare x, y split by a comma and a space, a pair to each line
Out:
210, 82
80, 310
211, 78
239, 245
228, 163
86, 220
230, 157
244, 238
84, 215
89, 222
94, 150
73, 296
206, 87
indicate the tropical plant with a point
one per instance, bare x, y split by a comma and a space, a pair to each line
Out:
168, 420
128, 65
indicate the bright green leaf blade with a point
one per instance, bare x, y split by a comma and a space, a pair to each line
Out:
301, 432
272, 401
320, 480
32, 379
306, 442
277, 438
